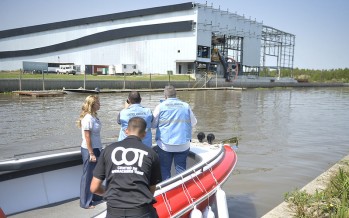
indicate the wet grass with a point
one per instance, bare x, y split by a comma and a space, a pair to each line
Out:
303, 75
331, 202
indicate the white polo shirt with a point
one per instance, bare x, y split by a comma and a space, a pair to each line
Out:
94, 126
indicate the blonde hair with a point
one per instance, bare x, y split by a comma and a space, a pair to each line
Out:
87, 108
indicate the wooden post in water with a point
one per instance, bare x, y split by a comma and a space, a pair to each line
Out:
43, 80
124, 81
216, 79
20, 79
205, 79
150, 80
85, 80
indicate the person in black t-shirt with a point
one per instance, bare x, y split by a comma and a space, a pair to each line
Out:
131, 170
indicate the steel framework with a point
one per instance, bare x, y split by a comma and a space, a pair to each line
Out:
230, 46
279, 44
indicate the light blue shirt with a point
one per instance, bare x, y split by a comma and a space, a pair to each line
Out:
173, 120
135, 110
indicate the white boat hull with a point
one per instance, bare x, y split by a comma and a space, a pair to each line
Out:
30, 183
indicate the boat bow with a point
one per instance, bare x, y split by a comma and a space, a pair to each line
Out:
177, 196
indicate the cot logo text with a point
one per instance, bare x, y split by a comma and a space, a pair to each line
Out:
137, 156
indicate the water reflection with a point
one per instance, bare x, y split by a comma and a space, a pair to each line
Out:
287, 137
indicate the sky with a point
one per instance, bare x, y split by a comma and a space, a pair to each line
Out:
321, 26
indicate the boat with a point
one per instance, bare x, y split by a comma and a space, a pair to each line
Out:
81, 91
43, 181
195, 187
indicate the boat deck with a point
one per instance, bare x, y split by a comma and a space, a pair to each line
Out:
68, 208
71, 208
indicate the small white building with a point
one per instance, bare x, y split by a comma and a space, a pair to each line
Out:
176, 38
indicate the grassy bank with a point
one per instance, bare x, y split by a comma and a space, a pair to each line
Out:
53, 76
333, 201
308, 75
302, 75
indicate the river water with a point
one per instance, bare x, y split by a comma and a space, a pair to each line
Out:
287, 136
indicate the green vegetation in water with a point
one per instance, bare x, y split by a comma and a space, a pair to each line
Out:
331, 202
53, 76
309, 75
233, 140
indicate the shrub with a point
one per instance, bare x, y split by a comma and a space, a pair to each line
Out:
331, 202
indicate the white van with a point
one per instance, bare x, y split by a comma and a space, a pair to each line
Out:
66, 69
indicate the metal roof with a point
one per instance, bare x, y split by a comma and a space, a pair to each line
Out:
95, 19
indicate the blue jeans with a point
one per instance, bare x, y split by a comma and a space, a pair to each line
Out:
86, 195
166, 159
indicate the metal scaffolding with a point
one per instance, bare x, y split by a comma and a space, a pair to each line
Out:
230, 46
229, 49
279, 44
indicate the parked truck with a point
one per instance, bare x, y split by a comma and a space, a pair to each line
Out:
66, 69
34, 67
131, 69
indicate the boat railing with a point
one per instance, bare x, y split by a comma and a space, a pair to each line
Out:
17, 168
20, 167
202, 165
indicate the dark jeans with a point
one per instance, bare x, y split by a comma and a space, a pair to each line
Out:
86, 196
166, 159
145, 212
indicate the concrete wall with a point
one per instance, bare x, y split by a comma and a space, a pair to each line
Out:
9, 85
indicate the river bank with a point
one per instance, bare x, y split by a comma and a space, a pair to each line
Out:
319, 183
9, 85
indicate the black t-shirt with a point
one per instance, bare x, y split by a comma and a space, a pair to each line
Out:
129, 168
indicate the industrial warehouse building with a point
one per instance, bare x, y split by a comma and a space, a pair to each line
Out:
179, 39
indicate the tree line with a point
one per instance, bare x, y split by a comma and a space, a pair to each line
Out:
311, 75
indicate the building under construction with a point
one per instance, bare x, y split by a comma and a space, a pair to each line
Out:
179, 39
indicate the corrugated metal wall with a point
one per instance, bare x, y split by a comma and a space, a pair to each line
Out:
155, 53
226, 23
